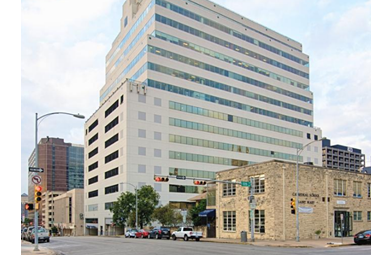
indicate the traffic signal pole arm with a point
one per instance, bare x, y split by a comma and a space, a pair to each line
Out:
195, 178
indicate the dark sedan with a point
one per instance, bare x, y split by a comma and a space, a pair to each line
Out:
363, 237
159, 233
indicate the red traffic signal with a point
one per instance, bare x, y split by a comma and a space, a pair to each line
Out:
28, 206
199, 183
38, 194
161, 179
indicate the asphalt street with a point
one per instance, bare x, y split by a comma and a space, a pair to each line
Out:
130, 246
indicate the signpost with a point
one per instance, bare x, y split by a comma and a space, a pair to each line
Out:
36, 179
34, 169
246, 184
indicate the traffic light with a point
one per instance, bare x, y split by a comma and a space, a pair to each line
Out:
28, 206
199, 183
161, 179
38, 194
293, 206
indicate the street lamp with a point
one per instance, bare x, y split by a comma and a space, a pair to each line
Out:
37, 165
298, 151
136, 203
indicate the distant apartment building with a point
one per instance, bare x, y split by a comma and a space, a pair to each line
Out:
193, 88
63, 165
342, 157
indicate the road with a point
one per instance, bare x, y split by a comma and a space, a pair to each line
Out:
91, 245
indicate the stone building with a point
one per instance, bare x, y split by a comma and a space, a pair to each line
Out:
328, 198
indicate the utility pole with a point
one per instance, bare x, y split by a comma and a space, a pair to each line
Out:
252, 208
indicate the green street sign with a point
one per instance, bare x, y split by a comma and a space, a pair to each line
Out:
246, 184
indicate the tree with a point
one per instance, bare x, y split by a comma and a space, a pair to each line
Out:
124, 208
166, 215
201, 206
148, 199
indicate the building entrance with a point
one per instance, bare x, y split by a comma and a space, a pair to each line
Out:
343, 224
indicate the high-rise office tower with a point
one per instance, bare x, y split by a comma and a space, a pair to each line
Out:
63, 165
193, 88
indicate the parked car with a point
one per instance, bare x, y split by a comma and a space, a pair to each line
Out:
23, 233
186, 233
363, 237
128, 233
160, 232
133, 233
27, 234
42, 235
142, 234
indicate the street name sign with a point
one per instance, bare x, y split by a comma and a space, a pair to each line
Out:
181, 177
33, 169
246, 184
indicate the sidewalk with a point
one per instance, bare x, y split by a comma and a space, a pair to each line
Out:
27, 248
306, 243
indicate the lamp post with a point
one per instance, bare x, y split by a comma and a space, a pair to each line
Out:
136, 203
298, 151
36, 219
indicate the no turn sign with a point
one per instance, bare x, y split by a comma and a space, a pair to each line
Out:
36, 179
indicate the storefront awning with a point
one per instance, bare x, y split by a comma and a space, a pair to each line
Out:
207, 213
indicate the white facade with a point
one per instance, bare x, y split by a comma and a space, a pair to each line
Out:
192, 97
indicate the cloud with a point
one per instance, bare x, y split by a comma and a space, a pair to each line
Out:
57, 20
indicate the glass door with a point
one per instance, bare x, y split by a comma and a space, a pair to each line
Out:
343, 224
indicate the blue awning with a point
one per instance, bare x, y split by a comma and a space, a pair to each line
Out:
207, 213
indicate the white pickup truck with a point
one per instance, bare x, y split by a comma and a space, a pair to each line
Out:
186, 233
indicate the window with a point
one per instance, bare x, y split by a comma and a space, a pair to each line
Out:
142, 99
308, 135
157, 153
92, 194
111, 189
157, 136
93, 139
259, 183
259, 220
92, 126
357, 215
92, 207
93, 166
229, 189
111, 140
142, 116
368, 215
111, 173
158, 170
368, 190
141, 151
157, 119
229, 221
93, 180
113, 123
357, 186
157, 101
141, 168
112, 108
126, 21
141, 133
316, 137
339, 187
112, 156
108, 205
93, 152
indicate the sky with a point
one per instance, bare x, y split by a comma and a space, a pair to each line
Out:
64, 45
